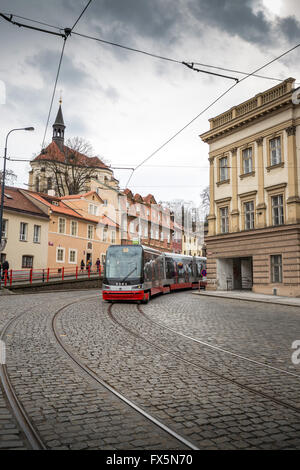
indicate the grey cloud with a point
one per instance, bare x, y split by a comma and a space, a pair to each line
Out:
47, 62
234, 17
290, 28
149, 18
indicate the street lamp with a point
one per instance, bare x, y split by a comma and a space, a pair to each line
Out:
3, 180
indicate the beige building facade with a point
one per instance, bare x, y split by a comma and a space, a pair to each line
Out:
78, 231
25, 229
253, 237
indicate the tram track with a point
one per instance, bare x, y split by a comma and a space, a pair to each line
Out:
19, 413
201, 367
216, 348
96, 378
22, 418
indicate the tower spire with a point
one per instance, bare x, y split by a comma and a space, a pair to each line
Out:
59, 128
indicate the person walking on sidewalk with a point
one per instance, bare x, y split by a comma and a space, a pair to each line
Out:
5, 268
98, 264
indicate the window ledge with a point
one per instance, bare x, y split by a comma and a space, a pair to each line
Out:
244, 175
278, 165
223, 182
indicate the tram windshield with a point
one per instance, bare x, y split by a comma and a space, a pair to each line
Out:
123, 262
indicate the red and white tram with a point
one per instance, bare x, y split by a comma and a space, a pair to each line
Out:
136, 272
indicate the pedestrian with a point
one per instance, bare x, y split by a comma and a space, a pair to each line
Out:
88, 264
82, 265
5, 268
98, 264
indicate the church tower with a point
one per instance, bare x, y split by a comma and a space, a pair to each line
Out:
59, 129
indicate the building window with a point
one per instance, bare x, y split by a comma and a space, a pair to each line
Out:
249, 215
27, 261
72, 256
104, 235
131, 227
105, 202
277, 210
93, 209
23, 231
113, 236
37, 234
224, 219
275, 150
146, 231
61, 225
223, 169
4, 228
49, 183
90, 232
247, 160
60, 255
74, 228
102, 259
276, 268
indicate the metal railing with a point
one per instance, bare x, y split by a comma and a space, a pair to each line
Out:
29, 276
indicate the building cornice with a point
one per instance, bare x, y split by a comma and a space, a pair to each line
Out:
254, 137
268, 102
253, 233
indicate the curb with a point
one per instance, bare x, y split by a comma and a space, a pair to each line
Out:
265, 301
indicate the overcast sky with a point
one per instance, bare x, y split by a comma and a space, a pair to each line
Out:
128, 104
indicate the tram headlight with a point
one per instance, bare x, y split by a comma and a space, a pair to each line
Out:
139, 286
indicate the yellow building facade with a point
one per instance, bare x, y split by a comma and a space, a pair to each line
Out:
25, 229
253, 237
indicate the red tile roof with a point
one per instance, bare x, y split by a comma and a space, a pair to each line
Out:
149, 199
60, 208
52, 152
64, 209
16, 201
79, 196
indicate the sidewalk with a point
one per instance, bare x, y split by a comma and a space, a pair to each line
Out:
253, 297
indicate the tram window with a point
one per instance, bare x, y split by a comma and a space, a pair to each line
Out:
180, 269
148, 266
170, 271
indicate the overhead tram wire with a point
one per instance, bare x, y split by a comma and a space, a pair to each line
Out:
68, 31
11, 15
81, 14
53, 93
210, 105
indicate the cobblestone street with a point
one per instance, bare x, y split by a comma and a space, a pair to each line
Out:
215, 373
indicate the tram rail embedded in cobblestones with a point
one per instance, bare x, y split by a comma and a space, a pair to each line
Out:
136, 272
197, 365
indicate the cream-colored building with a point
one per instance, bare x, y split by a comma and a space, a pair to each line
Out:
78, 230
253, 237
25, 229
63, 170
